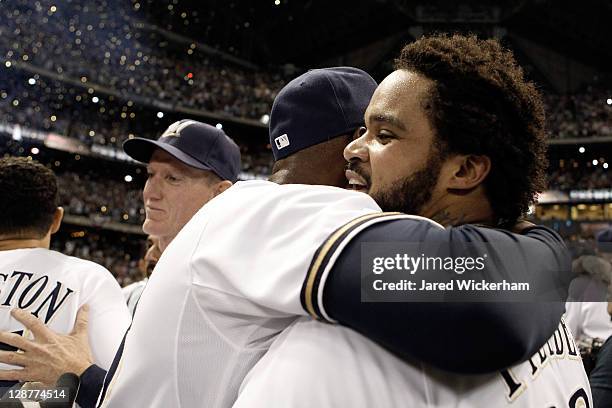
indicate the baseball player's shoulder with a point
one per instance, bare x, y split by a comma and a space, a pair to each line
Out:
265, 200
75, 263
54, 261
269, 192
134, 286
81, 270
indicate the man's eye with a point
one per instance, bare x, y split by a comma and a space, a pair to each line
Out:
384, 136
171, 178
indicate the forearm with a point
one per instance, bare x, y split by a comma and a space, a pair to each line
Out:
458, 337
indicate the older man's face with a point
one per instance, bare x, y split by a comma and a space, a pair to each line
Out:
173, 193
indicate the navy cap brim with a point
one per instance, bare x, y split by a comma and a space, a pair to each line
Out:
141, 149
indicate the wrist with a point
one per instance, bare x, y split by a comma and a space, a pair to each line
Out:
79, 367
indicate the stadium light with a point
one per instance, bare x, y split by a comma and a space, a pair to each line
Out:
595, 161
160, 114
605, 165
219, 126
17, 133
31, 81
95, 99
265, 119
609, 101
581, 149
128, 178
35, 150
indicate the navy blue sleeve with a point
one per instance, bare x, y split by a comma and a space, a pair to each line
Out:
90, 386
462, 337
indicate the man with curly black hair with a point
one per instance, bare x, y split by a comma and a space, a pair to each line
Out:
45, 283
454, 134
454, 104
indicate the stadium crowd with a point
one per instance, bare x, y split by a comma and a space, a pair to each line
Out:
575, 178
100, 199
94, 118
586, 114
52, 106
120, 255
84, 41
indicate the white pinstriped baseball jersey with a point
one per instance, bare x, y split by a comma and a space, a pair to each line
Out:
215, 301
327, 366
53, 286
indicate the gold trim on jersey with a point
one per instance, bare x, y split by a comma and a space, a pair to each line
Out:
318, 266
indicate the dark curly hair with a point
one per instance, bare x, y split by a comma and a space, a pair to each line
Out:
28, 197
482, 104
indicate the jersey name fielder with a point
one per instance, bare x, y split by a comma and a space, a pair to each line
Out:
313, 364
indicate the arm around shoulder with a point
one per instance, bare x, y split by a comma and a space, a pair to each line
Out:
459, 336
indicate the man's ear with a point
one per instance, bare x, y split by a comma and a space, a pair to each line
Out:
57, 220
469, 171
222, 186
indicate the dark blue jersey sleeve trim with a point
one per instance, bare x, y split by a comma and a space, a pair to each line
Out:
91, 382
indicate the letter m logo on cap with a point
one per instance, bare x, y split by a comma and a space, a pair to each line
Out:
282, 141
176, 128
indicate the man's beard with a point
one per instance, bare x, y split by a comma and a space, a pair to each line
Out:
410, 195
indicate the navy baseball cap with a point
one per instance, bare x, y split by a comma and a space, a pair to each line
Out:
194, 143
318, 106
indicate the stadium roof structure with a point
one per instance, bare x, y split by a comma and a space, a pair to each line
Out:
368, 33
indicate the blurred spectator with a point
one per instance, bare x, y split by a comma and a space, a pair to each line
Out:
582, 115
586, 309
570, 177
120, 256
99, 198
601, 376
146, 265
